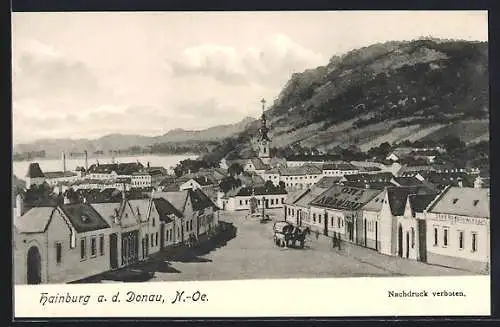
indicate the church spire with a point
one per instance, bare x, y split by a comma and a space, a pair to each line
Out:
263, 131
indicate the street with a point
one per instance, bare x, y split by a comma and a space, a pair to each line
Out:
253, 255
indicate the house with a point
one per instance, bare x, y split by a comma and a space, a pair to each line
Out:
412, 232
272, 175
127, 233
339, 169
399, 153
199, 213
55, 177
302, 177
380, 219
200, 182
147, 178
337, 212
242, 198
442, 180
34, 175
458, 228
171, 222
297, 204
60, 244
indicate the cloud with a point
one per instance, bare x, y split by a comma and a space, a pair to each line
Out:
271, 64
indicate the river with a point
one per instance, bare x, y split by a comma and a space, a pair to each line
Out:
20, 168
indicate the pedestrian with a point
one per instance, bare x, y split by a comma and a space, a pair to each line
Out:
317, 235
339, 241
334, 240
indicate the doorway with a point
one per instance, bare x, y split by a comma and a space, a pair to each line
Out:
34, 275
407, 244
162, 236
400, 241
325, 231
113, 251
350, 230
366, 234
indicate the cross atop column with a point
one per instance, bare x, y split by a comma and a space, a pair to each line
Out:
263, 101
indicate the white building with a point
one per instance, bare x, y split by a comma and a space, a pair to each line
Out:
339, 169
60, 244
458, 228
241, 198
299, 178
56, 177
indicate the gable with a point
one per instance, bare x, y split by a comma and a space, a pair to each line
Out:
128, 217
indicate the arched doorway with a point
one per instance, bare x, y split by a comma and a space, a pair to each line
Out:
34, 275
400, 241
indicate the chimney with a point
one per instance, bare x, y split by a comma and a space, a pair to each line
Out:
19, 205
63, 157
86, 161
66, 199
460, 183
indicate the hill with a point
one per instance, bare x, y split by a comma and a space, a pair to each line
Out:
174, 141
385, 92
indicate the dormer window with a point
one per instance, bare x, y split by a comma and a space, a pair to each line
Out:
84, 218
455, 201
476, 202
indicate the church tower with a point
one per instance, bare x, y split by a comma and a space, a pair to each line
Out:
263, 141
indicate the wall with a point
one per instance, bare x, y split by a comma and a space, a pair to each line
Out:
409, 226
452, 250
23, 243
234, 203
72, 267
372, 226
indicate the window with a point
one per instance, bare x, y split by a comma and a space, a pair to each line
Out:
460, 239
156, 236
445, 237
474, 242
282, 200
152, 239
319, 219
154, 222
83, 250
191, 225
338, 222
241, 202
314, 217
476, 202
435, 236
58, 252
93, 248
412, 237
331, 221
187, 225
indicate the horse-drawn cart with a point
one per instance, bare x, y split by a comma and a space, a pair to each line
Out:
287, 235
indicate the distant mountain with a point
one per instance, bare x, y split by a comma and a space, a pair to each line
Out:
387, 92
178, 137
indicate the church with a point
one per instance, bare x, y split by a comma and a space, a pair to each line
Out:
262, 160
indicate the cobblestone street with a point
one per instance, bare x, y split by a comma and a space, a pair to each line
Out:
253, 255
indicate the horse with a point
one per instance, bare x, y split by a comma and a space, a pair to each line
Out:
300, 236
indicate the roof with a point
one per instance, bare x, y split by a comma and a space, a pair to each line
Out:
84, 217
463, 201
177, 198
327, 181
143, 206
301, 170
34, 171
200, 200
258, 190
165, 209
59, 174
309, 196
407, 181
203, 180
377, 177
419, 202
34, 220
339, 166
258, 164
107, 210
376, 203
126, 168
397, 197
369, 185
344, 198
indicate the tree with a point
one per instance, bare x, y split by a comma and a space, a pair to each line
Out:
229, 183
235, 169
269, 185
282, 185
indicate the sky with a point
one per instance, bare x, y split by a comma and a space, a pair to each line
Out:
88, 74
